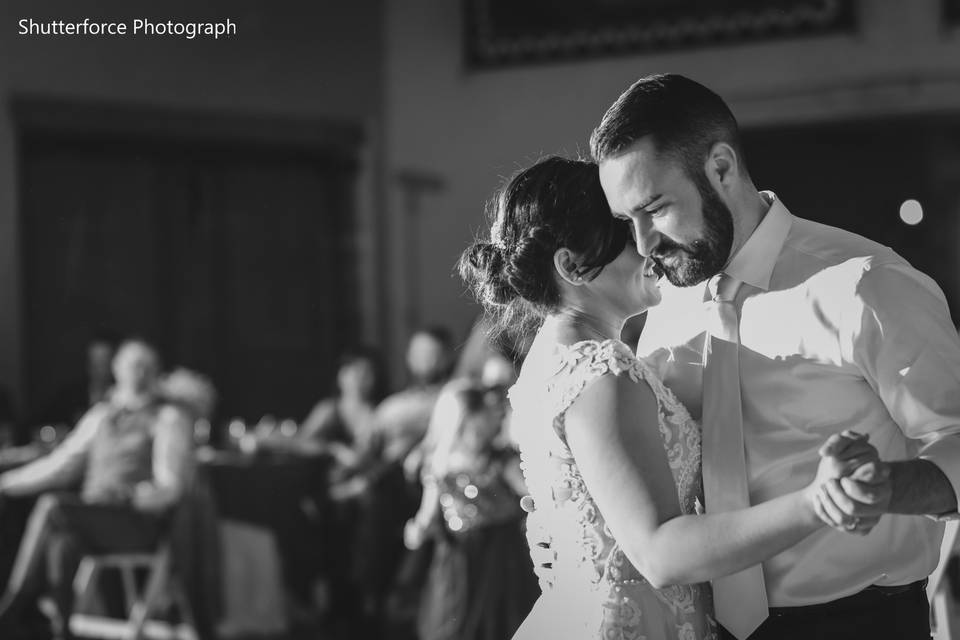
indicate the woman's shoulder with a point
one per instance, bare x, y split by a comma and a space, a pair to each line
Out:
562, 371
583, 362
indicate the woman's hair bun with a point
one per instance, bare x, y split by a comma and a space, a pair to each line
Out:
484, 270
530, 264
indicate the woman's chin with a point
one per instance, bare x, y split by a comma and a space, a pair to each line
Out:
652, 299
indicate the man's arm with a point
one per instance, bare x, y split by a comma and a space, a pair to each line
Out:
904, 342
920, 487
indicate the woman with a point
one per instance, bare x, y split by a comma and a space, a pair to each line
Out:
480, 584
610, 456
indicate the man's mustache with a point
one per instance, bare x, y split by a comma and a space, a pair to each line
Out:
666, 249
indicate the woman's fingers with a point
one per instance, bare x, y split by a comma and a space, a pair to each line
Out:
835, 516
841, 512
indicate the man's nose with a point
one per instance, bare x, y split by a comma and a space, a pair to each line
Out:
646, 236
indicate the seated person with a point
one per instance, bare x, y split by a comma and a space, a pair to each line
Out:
132, 456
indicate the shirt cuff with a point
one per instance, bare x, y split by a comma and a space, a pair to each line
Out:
945, 453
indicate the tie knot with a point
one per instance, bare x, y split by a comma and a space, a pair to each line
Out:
722, 287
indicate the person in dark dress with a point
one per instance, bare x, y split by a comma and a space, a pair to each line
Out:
480, 584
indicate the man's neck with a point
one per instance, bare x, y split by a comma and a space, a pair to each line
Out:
747, 218
130, 399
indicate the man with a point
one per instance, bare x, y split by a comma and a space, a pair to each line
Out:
132, 456
833, 332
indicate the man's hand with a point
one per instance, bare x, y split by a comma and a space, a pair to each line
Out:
852, 488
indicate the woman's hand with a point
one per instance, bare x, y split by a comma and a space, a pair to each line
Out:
847, 460
414, 533
349, 489
344, 455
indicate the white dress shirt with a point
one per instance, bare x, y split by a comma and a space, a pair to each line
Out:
837, 332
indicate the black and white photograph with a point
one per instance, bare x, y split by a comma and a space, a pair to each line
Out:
480, 320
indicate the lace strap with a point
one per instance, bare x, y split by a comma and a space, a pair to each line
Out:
584, 362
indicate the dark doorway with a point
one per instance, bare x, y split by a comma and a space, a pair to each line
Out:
856, 175
234, 256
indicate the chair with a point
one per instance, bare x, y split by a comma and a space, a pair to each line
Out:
161, 590
180, 579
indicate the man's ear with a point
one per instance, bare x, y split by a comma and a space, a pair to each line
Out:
565, 262
722, 166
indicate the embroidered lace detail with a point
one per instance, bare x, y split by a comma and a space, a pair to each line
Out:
589, 560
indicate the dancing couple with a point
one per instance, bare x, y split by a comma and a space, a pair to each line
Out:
775, 458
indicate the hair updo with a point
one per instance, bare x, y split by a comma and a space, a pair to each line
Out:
553, 204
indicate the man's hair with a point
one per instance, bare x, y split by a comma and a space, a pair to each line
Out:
683, 118
132, 341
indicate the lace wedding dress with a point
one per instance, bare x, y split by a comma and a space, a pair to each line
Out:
597, 593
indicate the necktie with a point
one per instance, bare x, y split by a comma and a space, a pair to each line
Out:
740, 600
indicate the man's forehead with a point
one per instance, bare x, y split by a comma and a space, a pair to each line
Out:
633, 177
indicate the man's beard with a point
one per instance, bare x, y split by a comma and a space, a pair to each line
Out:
705, 257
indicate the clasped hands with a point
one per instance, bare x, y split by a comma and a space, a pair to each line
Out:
853, 487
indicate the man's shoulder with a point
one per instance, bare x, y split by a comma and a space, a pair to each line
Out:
824, 245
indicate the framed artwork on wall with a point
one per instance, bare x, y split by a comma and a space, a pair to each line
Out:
505, 33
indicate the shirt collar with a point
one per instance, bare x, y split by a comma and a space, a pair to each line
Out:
753, 263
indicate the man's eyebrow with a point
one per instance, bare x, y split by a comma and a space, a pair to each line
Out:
641, 207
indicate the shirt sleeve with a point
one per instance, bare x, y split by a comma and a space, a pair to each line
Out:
63, 466
907, 347
173, 461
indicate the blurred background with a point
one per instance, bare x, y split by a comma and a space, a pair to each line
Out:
255, 205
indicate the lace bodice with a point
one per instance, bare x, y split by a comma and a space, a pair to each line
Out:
619, 603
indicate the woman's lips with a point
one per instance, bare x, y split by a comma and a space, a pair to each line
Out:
652, 269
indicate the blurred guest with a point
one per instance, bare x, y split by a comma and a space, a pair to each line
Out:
191, 391
404, 416
401, 421
481, 584
132, 457
71, 401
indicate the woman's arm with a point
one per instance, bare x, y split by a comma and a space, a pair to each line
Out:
311, 438
613, 433
415, 531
